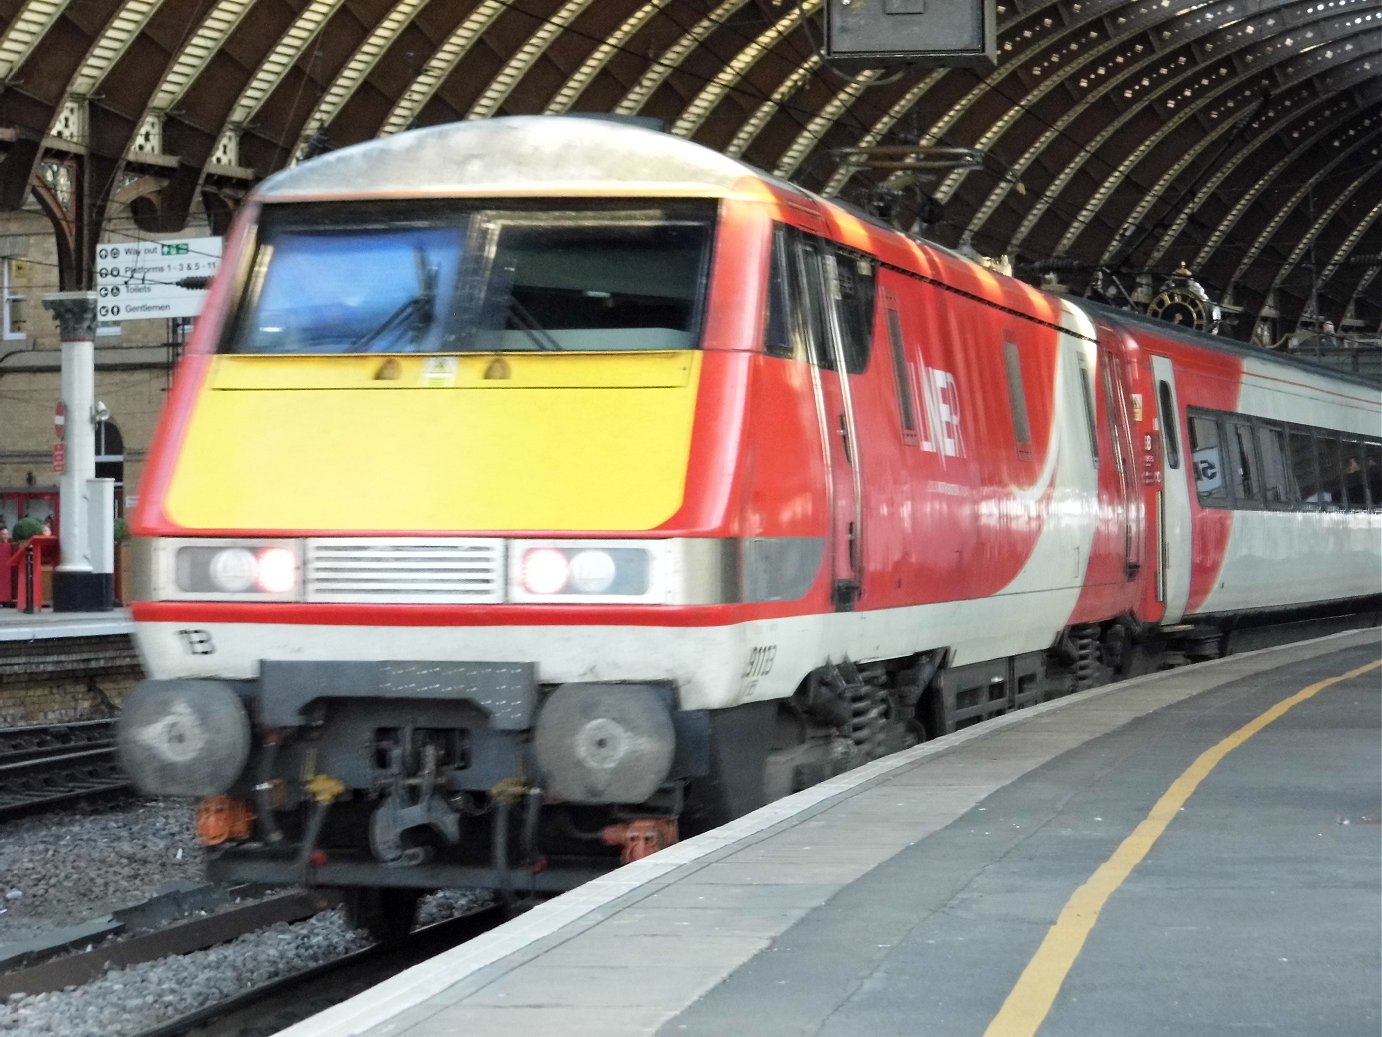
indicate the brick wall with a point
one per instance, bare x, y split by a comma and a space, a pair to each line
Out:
60, 680
134, 399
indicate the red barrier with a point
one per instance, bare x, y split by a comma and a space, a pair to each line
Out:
26, 564
6, 574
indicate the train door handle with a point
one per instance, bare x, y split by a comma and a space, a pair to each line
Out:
844, 439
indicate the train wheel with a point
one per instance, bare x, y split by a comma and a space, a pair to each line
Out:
385, 913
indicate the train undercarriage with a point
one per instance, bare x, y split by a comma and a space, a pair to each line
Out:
388, 780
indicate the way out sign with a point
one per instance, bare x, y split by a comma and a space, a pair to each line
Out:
59, 458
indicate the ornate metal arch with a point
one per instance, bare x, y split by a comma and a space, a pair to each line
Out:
1102, 123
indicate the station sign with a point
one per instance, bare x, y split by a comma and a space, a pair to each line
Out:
144, 280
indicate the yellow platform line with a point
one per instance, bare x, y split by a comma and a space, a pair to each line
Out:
1031, 998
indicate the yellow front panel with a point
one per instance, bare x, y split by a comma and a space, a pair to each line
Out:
422, 443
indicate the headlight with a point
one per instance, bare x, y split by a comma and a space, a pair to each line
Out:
591, 570
231, 569
237, 570
595, 572
674, 571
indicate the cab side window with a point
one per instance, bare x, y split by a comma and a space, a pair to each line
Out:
851, 285
811, 309
825, 293
778, 339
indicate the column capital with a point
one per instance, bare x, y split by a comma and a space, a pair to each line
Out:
75, 313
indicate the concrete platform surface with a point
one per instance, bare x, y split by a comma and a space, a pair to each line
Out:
1195, 852
34, 626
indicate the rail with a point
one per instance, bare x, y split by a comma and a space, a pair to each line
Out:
180, 938
280, 1002
46, 766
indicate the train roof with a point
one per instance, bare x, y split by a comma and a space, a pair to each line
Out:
1118, 316
516, 155
538, 155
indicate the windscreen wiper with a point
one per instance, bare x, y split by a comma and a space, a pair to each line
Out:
527, 323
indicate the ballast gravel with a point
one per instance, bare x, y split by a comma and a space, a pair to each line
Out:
65, 867
62, 868
134, 999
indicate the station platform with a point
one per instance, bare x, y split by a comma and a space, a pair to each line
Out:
1194, 852
16, 625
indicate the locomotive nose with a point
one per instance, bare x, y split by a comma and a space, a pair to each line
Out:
183, 737
605, 743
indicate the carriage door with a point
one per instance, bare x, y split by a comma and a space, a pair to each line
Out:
824, 282
1121, 432
1173, 499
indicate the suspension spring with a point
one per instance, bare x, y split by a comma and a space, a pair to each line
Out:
868, 718
1087, 668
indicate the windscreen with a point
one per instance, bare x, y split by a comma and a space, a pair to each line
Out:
428, 278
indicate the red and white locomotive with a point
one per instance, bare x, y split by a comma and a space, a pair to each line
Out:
539, 487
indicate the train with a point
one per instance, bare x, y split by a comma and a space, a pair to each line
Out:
535, 492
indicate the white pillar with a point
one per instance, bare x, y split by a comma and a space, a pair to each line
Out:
76, 588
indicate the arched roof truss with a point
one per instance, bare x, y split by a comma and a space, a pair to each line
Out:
1240, 138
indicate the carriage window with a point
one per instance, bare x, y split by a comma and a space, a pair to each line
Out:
1251, 463
1331, 473
1243, 461
1277, 488
904, 383
1372, 466
1017, 398
1355, 475
1167, 412
1207, 460
430, 277
1090, 424
1302, 453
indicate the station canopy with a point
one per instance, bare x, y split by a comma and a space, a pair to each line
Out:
1110, 148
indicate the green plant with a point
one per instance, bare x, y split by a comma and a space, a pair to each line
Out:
27, 527
122, 531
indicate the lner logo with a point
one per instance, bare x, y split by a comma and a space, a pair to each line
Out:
940, 396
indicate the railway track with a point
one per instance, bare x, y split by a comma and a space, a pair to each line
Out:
277, 1002
44, 766
215, 926
290, 999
